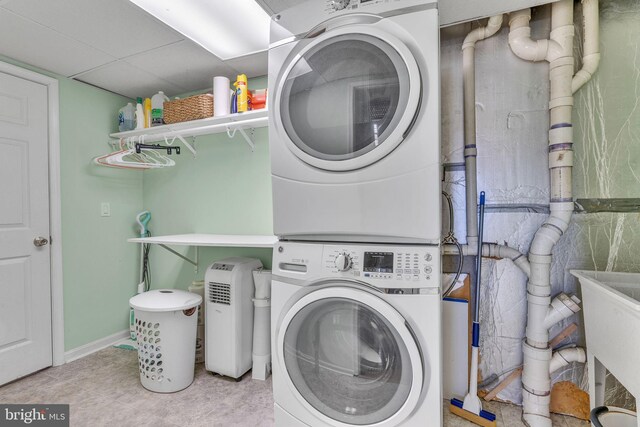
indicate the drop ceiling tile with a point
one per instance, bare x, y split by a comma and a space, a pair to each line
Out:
125, 79
34, 44
185, 64
116, 27
252, 65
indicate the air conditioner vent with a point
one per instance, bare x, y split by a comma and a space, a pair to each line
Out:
220, 293
223, 267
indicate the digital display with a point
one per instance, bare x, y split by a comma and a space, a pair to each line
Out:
378, 262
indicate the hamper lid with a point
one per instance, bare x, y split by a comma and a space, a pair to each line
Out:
165, 300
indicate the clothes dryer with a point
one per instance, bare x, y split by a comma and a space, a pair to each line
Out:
354, 121
356, 335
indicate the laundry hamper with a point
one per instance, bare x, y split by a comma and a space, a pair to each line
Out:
165, 322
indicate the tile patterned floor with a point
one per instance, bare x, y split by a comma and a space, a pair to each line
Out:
103, 390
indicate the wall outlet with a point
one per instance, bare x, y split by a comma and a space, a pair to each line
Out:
105, 209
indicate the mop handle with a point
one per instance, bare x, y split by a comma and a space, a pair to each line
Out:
476, 311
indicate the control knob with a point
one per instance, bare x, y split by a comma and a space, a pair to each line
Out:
339, 4
343, 262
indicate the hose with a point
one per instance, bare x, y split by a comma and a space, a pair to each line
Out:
450, 238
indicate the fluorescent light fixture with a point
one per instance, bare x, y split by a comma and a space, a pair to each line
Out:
227, 29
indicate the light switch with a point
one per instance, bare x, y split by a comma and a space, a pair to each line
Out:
105, 209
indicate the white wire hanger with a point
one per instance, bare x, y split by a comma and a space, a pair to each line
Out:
127, 157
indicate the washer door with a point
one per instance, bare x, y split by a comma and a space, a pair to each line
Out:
347, 99
350, 358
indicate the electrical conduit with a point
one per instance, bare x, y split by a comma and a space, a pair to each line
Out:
542, 313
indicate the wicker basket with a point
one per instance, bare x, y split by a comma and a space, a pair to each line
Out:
191, 108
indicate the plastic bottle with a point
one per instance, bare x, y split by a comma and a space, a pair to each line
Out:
126, 119
157, 106
147, 113
139, 114
241, 93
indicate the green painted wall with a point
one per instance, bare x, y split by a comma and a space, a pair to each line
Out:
226, 189
100, 269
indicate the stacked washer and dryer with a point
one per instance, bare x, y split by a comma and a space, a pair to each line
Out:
355, 157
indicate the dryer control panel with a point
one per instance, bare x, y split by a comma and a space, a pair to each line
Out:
333, 6
384, 266
388, 266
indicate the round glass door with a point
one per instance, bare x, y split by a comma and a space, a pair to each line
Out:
349, 361
346, 96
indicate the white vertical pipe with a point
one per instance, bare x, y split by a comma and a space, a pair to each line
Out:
469, 100
558, 51
591, 48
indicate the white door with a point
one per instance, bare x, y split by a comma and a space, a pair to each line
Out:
347, 98
25, 292
350, 358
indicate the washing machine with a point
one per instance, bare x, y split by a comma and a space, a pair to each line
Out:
356, 335
354, 121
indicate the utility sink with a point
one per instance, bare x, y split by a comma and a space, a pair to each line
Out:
611, 305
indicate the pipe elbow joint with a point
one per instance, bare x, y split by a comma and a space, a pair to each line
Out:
590, 64
561, 307
526, 48
481, 33
565, 356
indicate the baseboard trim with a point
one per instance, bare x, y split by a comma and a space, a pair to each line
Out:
92, 347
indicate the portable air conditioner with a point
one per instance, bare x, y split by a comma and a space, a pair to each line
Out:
229, 316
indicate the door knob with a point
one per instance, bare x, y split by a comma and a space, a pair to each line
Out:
40, 241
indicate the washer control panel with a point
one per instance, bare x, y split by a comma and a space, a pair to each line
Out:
385, 266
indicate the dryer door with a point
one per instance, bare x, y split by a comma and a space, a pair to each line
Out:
350, 358
347, 98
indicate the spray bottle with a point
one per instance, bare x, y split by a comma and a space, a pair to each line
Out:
242, 99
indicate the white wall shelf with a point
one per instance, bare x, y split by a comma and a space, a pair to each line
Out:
225, 240
245, 123
202, 240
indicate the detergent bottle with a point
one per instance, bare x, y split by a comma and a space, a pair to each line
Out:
157, 108
242, 99
147, 113
139, 114
126, 119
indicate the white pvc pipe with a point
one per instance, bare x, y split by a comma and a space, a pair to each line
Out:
561, 307
469, 100
492, 250
565, 356
542, 313
261, 349
520, 38
591, 48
